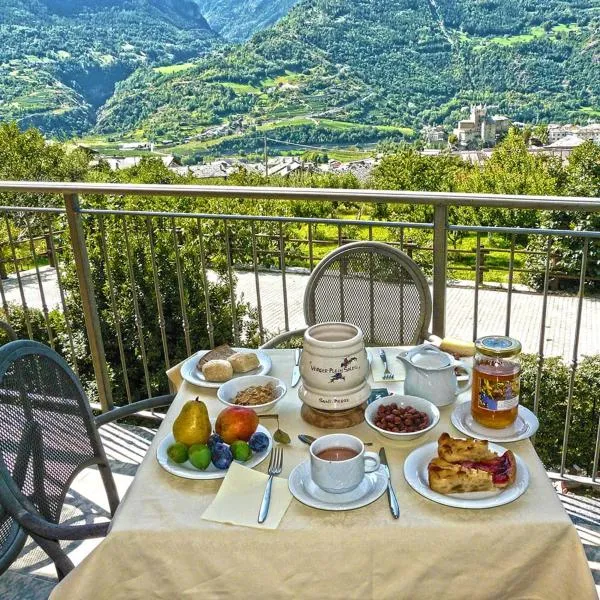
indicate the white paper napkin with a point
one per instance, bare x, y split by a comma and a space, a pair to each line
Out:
240, 495
395, 366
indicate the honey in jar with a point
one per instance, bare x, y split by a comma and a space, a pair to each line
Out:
496, 381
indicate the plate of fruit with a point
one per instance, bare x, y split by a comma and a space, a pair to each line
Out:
203, 448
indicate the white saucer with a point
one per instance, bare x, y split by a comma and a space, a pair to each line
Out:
304, 489
525, 425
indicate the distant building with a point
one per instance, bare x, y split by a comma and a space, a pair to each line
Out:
434, 135
135, 146
481, 127
117, 163
585, 132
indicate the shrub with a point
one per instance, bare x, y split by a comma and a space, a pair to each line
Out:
554, 391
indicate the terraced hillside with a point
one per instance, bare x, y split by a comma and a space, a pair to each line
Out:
395, 63
60, 59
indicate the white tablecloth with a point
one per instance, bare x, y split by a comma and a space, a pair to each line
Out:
159, 547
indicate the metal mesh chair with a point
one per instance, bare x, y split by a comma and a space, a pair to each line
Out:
48, 434
12, 535
372, 285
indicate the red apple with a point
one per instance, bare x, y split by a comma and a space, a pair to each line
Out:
236, 423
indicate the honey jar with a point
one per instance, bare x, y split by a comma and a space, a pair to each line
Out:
496, 381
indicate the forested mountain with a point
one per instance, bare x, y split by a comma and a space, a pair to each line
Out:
60, 59
381, 62
237, 20
358, 69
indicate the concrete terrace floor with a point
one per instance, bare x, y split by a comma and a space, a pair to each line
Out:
32, 576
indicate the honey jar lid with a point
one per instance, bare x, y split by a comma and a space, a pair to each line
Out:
498, 345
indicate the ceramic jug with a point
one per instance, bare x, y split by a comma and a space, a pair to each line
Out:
430, 374
334, 367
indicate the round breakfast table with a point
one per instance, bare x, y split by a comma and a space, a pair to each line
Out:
160, 547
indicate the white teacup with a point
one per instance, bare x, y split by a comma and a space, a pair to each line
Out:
339, 476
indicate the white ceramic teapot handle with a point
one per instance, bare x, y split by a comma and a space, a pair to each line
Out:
460, 388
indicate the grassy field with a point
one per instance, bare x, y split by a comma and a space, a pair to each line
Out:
170, 69
534, 33
241, 88
461, 255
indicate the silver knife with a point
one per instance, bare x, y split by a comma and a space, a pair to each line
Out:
296, 371
394, 506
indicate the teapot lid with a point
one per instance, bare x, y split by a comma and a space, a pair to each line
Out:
429, 358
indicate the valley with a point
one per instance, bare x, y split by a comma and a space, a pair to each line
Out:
325, 73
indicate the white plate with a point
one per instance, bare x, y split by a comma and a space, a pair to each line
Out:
415, 473
193, 375
525, 425
304, 489
187, 471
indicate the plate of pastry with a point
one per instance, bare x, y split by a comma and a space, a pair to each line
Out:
212, 368
466, 473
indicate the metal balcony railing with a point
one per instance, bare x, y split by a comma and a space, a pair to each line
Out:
99, 294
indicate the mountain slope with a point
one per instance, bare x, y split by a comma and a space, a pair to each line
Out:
380, 62
237, 20
60, 59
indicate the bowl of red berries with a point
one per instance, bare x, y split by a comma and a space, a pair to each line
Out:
400, 417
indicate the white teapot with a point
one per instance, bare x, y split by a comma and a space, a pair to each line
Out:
430, 374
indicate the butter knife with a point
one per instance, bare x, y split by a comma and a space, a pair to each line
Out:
296, 371
394, 506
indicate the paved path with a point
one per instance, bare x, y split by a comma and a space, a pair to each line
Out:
558, 339
526, 313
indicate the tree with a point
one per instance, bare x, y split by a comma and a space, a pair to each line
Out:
512, 170
582, 179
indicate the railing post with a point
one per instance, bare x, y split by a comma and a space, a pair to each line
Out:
88, 300
440, 259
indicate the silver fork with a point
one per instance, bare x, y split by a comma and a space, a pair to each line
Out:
275, 466
387, 374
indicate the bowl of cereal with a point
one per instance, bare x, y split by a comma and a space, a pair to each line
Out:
401, 417
258, 392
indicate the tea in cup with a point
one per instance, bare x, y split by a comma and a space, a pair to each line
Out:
338, 462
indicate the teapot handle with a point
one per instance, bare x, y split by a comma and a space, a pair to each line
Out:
460, 388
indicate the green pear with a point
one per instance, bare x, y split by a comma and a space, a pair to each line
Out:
192, 426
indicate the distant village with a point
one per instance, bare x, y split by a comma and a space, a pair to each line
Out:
472, 140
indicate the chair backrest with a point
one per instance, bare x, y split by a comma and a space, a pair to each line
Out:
374, 286
47, 431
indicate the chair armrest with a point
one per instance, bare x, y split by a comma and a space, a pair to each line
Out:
283, 337
133, 408
21, 509
39, 526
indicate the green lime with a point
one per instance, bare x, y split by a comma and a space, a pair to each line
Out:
200, 456
178, 452
195, 447
241, 450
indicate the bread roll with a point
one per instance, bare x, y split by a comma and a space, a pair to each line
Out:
217, 370
242, 362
